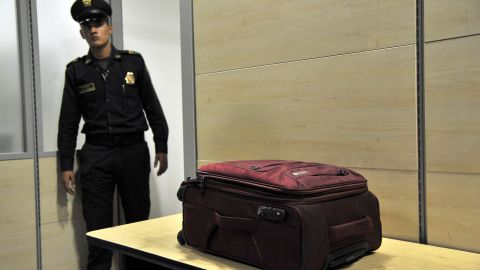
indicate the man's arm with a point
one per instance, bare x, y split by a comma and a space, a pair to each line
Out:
67, 131
156, 119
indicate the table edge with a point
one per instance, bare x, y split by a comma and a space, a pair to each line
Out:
157, 259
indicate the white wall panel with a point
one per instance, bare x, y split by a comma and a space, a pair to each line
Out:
11, 114
60, 42
153, 29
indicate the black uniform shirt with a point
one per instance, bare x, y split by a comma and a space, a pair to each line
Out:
111, 102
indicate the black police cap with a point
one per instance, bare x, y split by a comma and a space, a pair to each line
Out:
84, 9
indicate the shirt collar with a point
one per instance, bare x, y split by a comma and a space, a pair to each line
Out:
89, 58
115, 55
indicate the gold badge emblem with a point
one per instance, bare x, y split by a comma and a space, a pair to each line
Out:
87, 3
130, 78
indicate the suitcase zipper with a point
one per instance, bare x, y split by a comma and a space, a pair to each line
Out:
293, 200
275, 189
328, 194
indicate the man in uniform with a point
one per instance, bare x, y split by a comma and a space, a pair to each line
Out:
111, 89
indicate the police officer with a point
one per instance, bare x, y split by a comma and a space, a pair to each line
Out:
111, 89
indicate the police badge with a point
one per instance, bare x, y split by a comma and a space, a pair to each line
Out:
130, 78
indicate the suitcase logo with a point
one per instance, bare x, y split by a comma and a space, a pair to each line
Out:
300, 173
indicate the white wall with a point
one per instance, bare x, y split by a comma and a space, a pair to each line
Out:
60, 42
11, 116
152, 27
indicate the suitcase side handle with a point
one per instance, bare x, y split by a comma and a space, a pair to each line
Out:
350, 231
236, 223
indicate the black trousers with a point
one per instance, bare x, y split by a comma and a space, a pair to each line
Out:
102, 168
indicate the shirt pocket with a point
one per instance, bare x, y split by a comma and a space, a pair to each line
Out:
131, 97
88, 97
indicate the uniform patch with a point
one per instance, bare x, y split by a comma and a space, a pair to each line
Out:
87, 3
86, 88
130, 78
131, 52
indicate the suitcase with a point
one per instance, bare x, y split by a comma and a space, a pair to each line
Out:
280, 214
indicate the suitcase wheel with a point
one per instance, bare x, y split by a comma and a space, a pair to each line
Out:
181, 238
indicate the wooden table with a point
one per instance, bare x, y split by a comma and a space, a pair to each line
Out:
155, 240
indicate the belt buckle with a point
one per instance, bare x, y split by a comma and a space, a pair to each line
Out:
116, 139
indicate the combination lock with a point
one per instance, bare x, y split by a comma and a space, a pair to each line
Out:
271, 213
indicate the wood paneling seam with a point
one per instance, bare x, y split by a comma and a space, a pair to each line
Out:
451, 38
303, 60
422, 216
63, 221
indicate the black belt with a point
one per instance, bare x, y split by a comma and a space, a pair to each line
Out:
115, 139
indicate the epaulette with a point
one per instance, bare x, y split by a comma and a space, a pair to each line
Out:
130, 52
74, 61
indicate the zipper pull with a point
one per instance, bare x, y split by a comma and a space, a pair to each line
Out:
190, 181
199, 182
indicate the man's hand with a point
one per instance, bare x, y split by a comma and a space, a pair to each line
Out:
162, 158
69, 181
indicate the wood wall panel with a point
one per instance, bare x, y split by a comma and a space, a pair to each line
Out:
56, 205
200, 163
356, 110
17, 215
452, 83
397, 192
448, 19
64, 245
232, 34
453, 212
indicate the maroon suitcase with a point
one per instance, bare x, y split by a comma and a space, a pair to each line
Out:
280, 215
